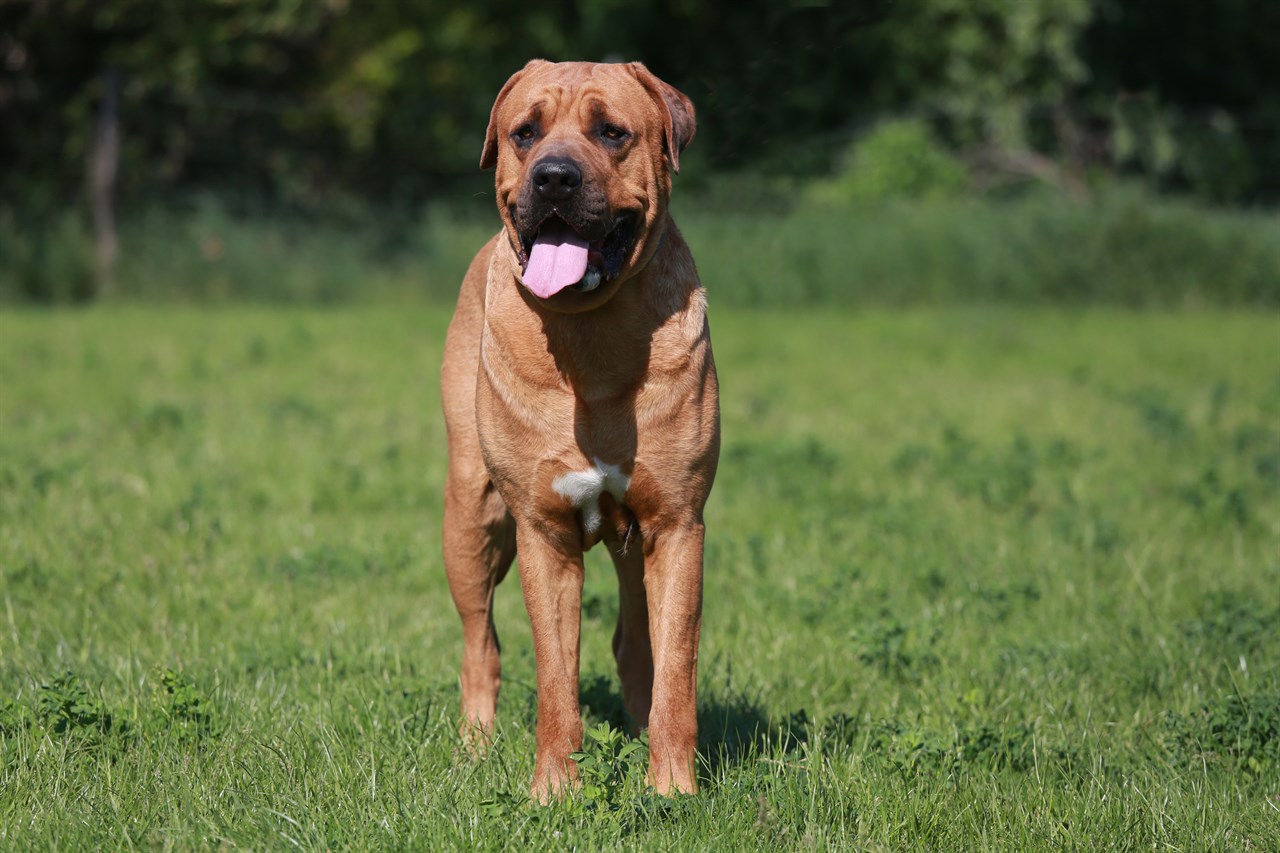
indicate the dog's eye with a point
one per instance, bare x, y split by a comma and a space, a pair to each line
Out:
613, 133
524, 133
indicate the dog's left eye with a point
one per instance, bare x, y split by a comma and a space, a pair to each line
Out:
613, 133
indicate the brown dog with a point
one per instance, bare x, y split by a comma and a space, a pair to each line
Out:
581, 403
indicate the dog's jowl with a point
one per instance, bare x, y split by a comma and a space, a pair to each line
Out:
581, 403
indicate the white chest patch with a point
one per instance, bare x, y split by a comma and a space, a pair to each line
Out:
583, 490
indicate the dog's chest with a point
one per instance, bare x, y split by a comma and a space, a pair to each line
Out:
584, 488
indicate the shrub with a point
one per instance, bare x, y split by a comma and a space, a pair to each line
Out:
899, 159
45, 258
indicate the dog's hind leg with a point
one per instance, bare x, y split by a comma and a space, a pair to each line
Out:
479, 546
631, 647
673, 581
551, 576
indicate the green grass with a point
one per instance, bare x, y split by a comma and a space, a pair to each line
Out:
976, 579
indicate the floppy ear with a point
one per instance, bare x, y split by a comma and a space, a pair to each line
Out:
680, 122
489, 157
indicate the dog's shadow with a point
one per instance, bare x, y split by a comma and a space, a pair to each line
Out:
733, 726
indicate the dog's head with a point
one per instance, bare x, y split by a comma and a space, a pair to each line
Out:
584, 155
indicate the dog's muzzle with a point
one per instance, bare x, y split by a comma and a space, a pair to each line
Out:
556, 255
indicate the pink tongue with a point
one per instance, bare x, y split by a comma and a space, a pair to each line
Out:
558, 259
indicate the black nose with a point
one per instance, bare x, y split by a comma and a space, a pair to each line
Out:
556, 178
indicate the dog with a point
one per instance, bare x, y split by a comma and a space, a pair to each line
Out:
582, 406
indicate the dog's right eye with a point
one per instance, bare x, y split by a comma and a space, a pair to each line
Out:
524, 134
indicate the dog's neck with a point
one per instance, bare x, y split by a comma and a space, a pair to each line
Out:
606, 352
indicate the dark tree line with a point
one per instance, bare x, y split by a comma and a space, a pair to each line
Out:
307, 101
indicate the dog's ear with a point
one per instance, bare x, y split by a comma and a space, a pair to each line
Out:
489, 156
681, 121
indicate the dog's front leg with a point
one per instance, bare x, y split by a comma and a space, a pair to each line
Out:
551, 577
673, 581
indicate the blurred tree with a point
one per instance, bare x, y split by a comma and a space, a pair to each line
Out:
996, 76
291, 100
990, 65
177, 61
1193, 91
308, 102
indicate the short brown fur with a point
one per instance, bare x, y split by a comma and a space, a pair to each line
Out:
534, 389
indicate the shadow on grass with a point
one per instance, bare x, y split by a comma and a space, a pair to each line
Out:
601, 699
733, 726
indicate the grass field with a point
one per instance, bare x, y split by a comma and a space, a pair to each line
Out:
976, 579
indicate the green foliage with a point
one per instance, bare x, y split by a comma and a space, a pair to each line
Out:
1190, 102
898, 159
1003, 479
982, 747
359, 96
610, 792
45, 258
1122, 248
608, 764
1237, 733
900, 650
1234, 627
183, 707
1212, 158
14, 718
991, 65
67, 707
308, 105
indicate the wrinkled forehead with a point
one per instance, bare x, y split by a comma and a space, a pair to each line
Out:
579, 88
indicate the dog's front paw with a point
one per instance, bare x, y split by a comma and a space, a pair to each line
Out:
553, 780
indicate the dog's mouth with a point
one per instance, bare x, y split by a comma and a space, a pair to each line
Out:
555, 256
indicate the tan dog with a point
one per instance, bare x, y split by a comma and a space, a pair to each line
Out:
581, 403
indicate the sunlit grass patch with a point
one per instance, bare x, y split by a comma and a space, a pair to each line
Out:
976, 578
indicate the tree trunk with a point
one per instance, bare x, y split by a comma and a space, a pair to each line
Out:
104, 162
